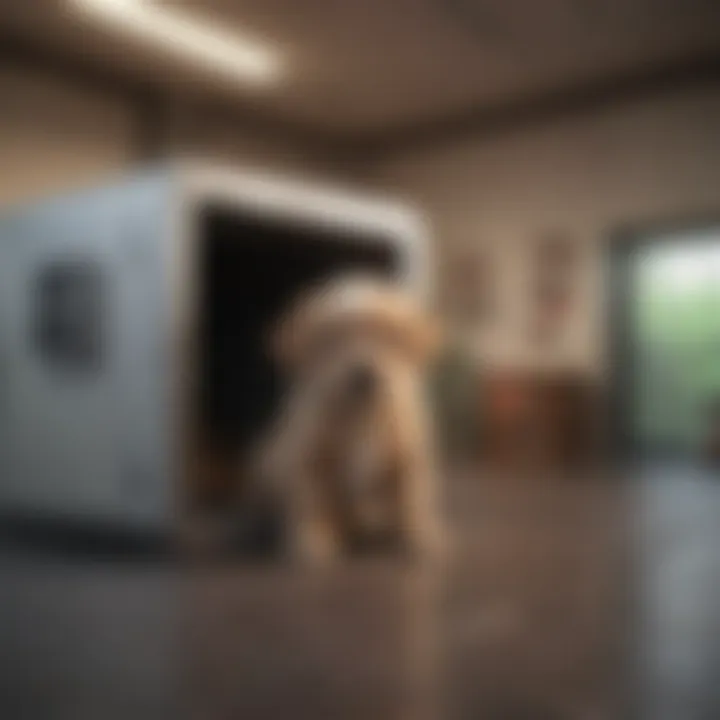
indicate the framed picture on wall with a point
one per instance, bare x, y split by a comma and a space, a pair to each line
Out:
469, 286
553, 286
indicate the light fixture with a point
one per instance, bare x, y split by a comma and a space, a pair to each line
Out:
229, 53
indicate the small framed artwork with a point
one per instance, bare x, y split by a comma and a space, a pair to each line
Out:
469, 286
553, 286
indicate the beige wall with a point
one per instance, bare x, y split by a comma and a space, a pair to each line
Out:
193, 133
583, 176
56, 135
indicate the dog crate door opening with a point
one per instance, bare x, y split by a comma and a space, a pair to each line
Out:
251, 270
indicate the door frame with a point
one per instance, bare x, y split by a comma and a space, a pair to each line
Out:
625, 241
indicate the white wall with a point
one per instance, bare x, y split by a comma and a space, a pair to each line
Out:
583, 176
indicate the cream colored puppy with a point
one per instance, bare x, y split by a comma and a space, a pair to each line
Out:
352, 458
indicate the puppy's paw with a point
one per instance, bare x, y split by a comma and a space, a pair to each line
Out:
314, 550
425, 549
430, 547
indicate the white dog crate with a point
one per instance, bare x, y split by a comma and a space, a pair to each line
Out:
133, 319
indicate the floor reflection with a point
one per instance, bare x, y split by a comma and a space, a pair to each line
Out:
523, 620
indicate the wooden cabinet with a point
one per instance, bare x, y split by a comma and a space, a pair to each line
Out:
543, 422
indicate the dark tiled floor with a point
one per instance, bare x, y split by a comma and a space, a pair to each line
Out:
678, 555
528, 618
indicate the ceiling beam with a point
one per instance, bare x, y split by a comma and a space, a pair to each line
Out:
542, 108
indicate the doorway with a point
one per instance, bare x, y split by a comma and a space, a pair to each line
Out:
667, 331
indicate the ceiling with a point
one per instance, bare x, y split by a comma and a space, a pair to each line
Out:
358, 68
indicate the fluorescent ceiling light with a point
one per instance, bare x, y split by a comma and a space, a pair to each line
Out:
230, 53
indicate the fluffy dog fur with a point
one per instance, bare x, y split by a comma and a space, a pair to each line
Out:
351, 458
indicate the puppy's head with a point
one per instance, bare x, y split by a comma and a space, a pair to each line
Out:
354, 336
